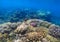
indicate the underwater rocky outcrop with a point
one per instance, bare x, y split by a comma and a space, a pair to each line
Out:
32, 30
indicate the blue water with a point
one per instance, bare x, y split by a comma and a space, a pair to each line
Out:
50, 5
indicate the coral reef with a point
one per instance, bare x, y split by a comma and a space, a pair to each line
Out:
32, 30
54, 31
16, 15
